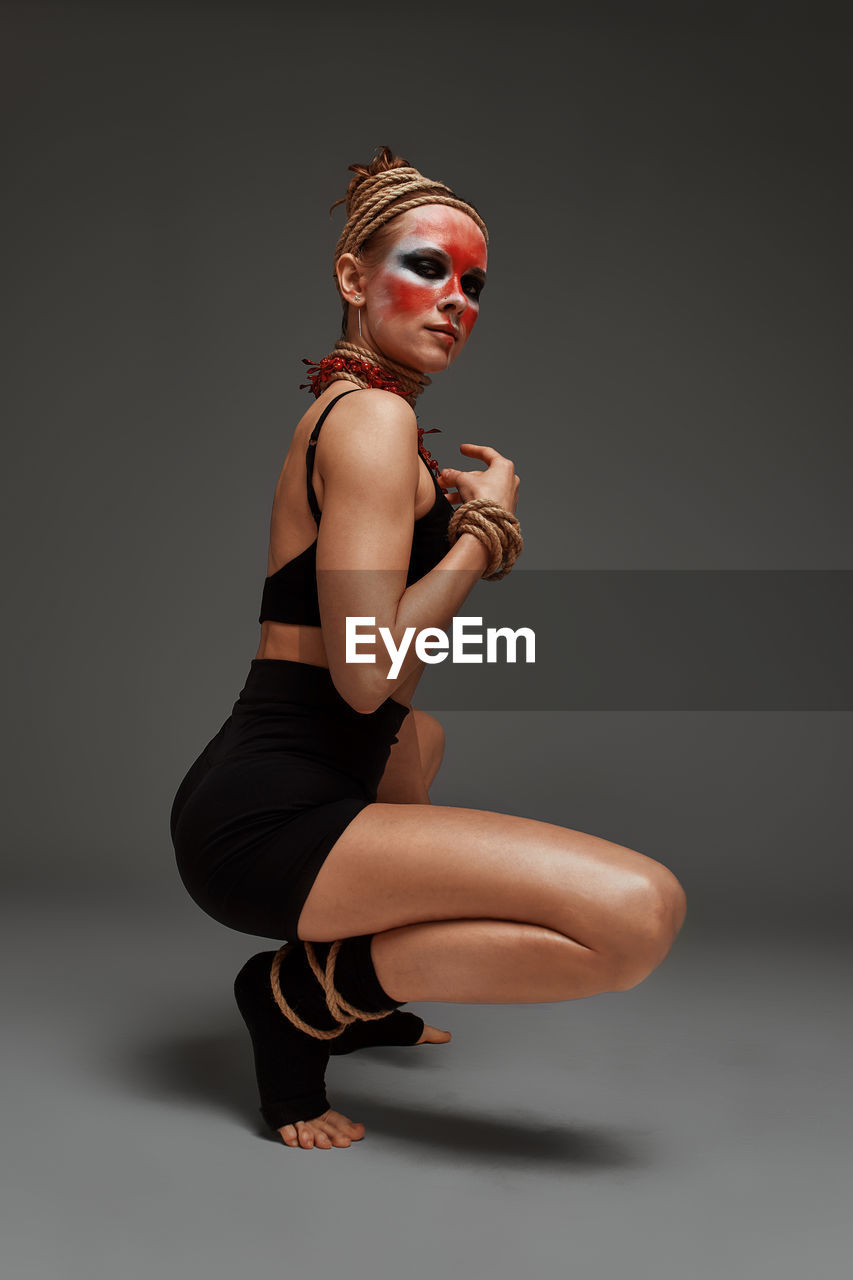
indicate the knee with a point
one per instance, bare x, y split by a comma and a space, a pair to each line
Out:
653, 912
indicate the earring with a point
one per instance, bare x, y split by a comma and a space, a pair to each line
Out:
358, 299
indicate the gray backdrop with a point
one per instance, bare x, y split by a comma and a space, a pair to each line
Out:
663, 350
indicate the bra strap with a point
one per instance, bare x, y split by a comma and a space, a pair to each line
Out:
309, 456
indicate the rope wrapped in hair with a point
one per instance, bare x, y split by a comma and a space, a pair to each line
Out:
497, 528
373, 198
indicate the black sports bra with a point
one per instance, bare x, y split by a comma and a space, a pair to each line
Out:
290, 594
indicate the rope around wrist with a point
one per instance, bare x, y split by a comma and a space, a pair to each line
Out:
338, 1007
498, 530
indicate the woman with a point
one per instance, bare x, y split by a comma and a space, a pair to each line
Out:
308, 815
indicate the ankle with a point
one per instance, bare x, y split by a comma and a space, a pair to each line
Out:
352, 984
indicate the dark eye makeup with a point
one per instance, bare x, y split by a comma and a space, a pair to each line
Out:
431, 268
473, 285
434, 268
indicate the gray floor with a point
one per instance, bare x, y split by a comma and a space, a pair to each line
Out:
695, 1127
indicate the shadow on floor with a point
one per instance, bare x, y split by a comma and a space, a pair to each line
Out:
212, 1068
209, 1068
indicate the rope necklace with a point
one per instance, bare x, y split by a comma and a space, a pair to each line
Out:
350, 362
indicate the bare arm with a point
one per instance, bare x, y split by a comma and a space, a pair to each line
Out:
370, 469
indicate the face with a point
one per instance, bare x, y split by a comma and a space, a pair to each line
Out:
422, 297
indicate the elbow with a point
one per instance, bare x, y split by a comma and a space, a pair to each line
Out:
366, 680
367, 709
360, 702
363, 690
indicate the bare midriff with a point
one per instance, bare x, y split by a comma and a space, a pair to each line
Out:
292, 642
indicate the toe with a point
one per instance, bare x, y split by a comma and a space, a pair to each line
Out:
338, 1133
306, 1137
288, 1134
343, 1124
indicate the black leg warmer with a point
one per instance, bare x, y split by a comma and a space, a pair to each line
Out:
294, 1018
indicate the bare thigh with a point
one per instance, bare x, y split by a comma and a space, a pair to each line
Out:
398, 864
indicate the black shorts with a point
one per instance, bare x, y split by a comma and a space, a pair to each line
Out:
258, 811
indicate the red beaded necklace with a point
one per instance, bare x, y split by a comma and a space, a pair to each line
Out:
319, 372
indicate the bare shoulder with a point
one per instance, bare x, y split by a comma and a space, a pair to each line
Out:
373, 405
373, 421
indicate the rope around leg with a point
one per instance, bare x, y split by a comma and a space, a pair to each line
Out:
285, 1007
343, 1012
338, 1007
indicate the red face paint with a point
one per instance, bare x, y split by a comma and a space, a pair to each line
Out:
430, 279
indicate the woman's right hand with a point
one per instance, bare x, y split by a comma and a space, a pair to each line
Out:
498, 484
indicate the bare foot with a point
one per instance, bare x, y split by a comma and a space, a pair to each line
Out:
331, 1129
432, 1035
